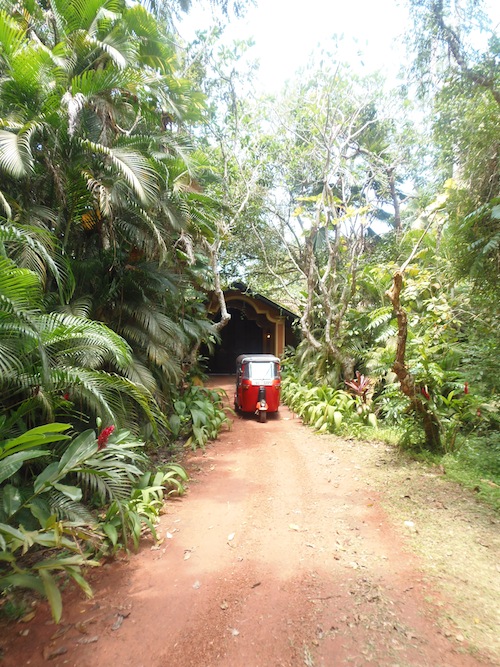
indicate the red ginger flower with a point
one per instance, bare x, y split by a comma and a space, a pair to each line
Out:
104, 437
425, 392
466, 388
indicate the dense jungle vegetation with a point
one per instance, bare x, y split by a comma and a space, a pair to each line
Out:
139, 174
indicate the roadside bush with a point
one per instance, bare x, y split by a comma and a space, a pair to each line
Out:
327, 409
198, 416
52, 490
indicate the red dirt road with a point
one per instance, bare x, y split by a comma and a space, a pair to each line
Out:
280, 554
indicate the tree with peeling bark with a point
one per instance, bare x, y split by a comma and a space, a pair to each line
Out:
406, 379
325, 165
226, 141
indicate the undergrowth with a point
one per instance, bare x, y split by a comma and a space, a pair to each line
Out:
476, 465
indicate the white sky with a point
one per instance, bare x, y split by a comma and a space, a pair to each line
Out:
287, 31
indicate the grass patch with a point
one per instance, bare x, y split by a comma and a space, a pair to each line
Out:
475, 462
476, 465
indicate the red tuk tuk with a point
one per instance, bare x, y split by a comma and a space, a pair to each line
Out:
258, 384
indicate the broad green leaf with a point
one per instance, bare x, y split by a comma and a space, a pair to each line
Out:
40, 435
199, 417
111, 533
13, 532
72, 492
46, 477
22, 581
40, 510
199, 434
53, 427
337, 418
52, 593
176, 469
11, 499
180, 407
78, 451
12, 463
175, 424
76, 575
319, 423
64, 562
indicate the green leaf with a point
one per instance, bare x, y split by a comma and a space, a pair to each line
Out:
200, 436
13, 532
175, 424
111, 533
180, 407
337, 418
72, 492
52, 593
80, 449
40, 510
46, 477
53, 427
199, 417
35, 437
176, 469
14, 158
12, 463
76, 575
11, 499
22, 581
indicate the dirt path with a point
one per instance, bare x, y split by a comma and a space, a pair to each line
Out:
290, 549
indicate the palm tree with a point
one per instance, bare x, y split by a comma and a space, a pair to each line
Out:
54, 364
91, 113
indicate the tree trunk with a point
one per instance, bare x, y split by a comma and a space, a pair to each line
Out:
430, 422
395, 200
217, 327
348, 368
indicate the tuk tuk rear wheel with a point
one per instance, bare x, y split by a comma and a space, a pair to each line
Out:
262, 416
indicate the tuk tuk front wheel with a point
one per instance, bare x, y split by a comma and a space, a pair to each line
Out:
262, 416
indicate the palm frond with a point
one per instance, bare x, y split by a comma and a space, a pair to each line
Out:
69, 510
35, 249
15, 156
379, 316
68, 337
131, 166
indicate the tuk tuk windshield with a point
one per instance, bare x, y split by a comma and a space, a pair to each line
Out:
262, 370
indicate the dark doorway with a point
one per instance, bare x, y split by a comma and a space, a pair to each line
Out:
242, 335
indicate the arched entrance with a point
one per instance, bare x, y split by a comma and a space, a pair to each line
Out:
257, 325
241, 335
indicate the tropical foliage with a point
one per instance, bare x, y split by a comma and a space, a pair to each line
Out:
103, 222
135, 177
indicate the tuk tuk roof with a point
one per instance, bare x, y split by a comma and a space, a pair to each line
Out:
256, 357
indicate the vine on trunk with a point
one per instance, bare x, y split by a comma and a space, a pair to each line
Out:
408, 386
